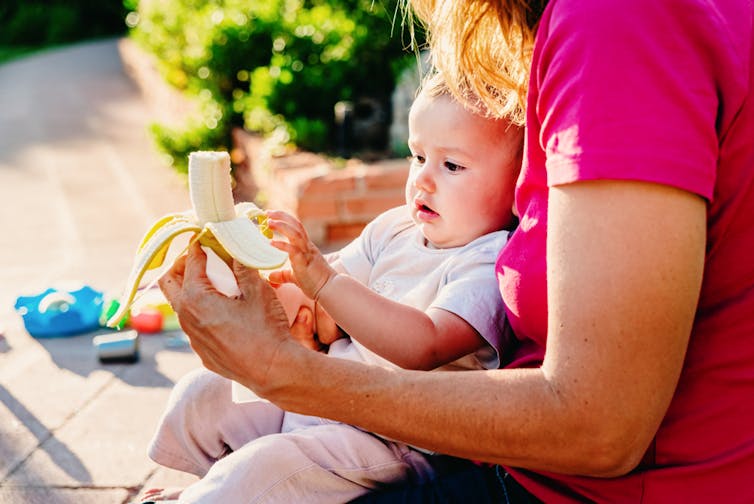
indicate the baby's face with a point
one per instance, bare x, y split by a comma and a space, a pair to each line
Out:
463, 172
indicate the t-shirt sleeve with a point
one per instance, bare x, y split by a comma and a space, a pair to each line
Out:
618, 102
472, 293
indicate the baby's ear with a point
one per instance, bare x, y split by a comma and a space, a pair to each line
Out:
302, 329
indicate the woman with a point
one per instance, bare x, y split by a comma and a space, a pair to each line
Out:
627, 282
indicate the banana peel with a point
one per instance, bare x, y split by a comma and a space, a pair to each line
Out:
232, 231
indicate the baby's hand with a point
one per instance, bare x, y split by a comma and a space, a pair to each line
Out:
310, 270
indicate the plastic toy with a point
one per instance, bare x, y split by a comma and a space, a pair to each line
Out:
119, 347
55, 313
109, 307
146, 320
151, 313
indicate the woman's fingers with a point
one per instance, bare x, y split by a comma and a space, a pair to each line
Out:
256, 291
196, 267
171, 282
231, 336
249, 281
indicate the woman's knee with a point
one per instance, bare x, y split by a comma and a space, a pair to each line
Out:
201, 382
198, 394
200, 385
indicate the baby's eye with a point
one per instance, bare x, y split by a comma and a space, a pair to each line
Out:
416, 158
453, 167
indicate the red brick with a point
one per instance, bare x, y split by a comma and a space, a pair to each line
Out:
370, 205
317, 208
344, 231
386, 175
328, 185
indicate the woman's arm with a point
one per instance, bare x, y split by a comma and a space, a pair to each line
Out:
625, 262
625, 265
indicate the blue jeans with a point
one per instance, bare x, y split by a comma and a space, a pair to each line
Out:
457, 481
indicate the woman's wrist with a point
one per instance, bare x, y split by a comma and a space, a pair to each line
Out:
284, 386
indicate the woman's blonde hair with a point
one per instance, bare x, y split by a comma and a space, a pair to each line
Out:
483, 50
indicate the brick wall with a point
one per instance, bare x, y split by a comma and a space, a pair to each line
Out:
333, 203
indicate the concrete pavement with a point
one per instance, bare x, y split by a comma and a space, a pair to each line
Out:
80, 181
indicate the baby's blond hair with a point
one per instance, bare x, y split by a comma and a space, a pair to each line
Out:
434, 85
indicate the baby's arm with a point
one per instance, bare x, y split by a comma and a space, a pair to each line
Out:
404, 335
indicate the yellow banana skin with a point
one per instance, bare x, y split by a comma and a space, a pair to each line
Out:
237, 232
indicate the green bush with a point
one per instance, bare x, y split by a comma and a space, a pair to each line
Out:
273, 65
39, 23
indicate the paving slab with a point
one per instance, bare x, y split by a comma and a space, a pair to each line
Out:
18, 495
41, 401
109, 428
80, 182
168, 478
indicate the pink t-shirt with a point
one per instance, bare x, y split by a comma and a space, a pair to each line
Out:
658, 91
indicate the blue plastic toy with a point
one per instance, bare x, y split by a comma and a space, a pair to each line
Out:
54, 313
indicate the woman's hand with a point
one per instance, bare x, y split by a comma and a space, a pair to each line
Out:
310, 269
242, 337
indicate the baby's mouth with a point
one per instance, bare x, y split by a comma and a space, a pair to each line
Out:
423, 208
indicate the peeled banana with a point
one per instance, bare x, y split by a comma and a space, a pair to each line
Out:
232, 231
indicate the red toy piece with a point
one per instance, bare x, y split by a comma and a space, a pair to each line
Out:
146, 320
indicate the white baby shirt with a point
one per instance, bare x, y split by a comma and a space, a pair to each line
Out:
390, 257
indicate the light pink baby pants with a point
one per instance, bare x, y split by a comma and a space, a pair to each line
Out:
256, 452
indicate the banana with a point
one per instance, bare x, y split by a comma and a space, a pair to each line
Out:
232, 231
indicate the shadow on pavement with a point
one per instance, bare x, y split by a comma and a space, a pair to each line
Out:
58, 452
79, 355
